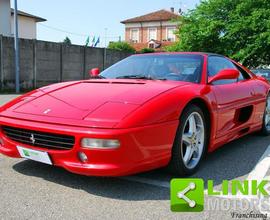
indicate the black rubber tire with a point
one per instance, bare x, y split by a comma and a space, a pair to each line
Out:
176, 165
264, 130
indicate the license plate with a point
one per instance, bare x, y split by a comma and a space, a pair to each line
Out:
35, 155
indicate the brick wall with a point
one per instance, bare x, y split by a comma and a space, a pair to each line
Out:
143, 33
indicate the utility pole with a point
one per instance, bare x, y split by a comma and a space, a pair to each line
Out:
105, 38
16, 48
105, 48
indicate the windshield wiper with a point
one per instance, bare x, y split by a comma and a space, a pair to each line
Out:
139, 77
98, 77
161, 79
134, 77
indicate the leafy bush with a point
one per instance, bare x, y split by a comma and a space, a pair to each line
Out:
147, 50
121, 46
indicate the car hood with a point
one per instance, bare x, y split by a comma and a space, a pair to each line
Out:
100, 103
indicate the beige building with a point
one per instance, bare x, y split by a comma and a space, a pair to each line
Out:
27, 23
154, 30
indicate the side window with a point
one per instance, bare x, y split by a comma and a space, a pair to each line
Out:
216, 64
243, 74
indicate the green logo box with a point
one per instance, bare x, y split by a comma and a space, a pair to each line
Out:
26, 153
187, 195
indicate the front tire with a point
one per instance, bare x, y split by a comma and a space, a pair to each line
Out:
190, 142
266, 118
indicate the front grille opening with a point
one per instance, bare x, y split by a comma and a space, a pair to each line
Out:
39, 139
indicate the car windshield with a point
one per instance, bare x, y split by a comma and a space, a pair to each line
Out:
178, 67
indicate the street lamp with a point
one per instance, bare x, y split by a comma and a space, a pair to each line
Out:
16, 48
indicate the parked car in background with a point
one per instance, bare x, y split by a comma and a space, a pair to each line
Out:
262, 72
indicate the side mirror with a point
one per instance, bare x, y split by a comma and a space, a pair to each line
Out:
224, 74
94, 72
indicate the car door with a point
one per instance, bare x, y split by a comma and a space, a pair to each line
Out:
234, 98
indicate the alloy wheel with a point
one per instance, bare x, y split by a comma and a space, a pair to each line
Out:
267, 114
192, 143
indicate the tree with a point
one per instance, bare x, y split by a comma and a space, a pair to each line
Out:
121, 46
67, 41
239, 29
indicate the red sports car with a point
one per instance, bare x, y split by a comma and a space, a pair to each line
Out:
145, 112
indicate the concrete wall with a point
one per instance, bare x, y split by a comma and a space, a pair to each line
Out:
43, 63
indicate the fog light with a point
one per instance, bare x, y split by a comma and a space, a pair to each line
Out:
82, 156
99, 143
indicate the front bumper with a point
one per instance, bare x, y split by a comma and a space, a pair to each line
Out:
142, 148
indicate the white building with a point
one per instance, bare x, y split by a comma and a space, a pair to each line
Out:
27, 23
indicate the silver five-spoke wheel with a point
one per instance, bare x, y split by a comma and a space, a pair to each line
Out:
267, 114
193, 140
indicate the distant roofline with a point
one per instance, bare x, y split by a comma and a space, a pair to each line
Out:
24, 14
141, 18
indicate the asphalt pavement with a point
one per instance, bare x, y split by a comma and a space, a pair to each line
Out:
31, 190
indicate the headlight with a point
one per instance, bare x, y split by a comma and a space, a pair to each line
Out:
99, 143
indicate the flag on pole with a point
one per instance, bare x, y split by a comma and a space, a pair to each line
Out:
87, 41
97, 42
93, 41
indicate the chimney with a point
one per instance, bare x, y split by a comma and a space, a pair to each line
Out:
172, 9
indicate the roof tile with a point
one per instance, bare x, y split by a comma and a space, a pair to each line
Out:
161, 15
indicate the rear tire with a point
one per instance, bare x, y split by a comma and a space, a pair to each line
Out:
190, 142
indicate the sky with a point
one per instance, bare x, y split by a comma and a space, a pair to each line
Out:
82, 18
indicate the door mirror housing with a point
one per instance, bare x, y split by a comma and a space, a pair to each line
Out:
94, 72
224, 74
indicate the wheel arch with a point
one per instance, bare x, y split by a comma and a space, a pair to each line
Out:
208, 113
203, 105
